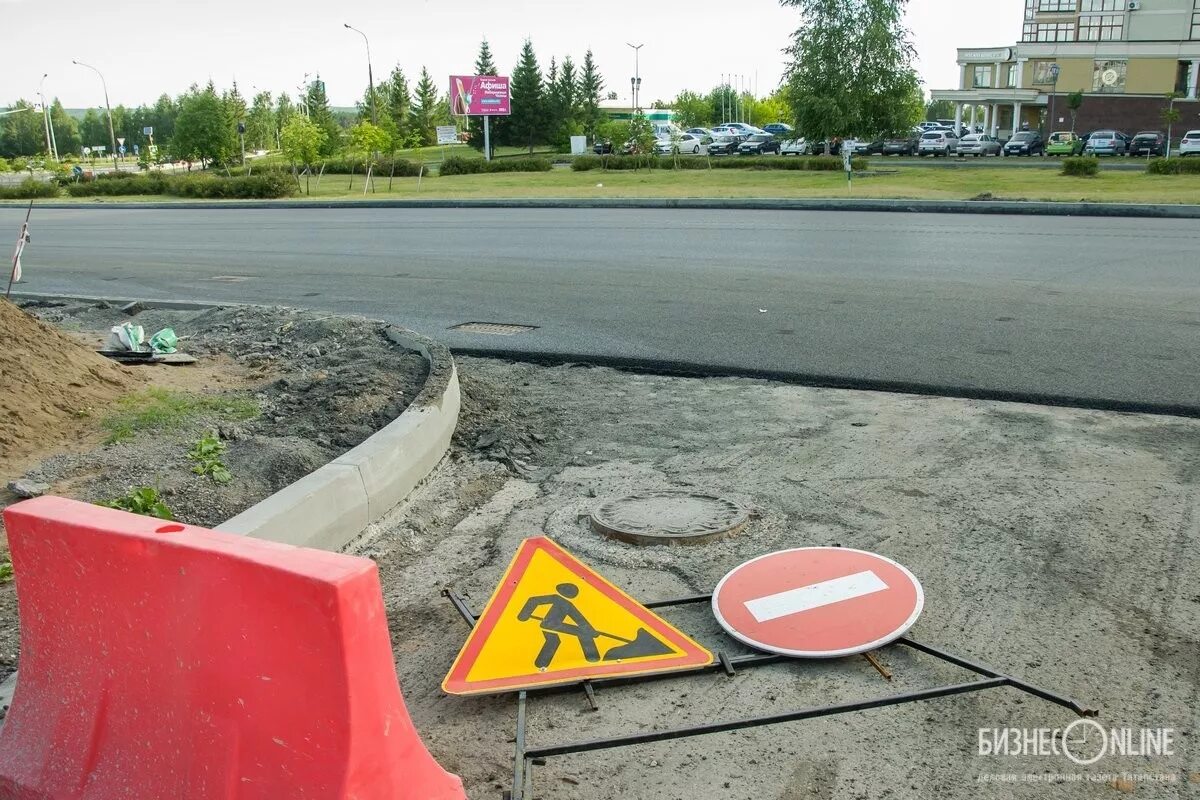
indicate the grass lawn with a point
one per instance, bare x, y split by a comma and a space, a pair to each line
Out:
894, 183
902, 183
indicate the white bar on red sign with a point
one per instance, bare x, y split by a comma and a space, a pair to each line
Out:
806, 598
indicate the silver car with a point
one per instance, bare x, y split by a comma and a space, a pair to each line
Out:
937, 143
978, 144
1107, 143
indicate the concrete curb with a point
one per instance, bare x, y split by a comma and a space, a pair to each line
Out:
1015, 207
333, 505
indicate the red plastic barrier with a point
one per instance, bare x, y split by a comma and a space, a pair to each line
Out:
163, 661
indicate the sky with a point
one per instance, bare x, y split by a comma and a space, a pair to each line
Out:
150, 47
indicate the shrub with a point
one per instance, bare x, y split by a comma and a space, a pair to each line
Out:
265, 185
358, 165
458, 165
28, 189
1081, 167
1174, 166
117, 184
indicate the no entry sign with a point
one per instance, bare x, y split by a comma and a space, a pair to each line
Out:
818, 602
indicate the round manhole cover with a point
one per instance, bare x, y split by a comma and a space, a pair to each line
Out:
669, 517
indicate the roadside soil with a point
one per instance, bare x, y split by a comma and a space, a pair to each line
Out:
1058, 545
315, 384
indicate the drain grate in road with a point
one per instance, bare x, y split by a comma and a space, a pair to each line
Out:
229, 278
493, 328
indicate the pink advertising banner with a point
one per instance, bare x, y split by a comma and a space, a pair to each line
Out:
479, 95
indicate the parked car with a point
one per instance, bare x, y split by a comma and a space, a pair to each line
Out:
684, 143
759, 145
978, 144
866, 147
937, 143
1190, 144
1105, 143
779, 128
1063, 143
703, 134
1148, 143
1025, 143
835, 147
794, 147
901, 146
928, 125
741, 128
602, 147
724, 145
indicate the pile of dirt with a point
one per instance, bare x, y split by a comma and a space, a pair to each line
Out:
320, 383
48, 383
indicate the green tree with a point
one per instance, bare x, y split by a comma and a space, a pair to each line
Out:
202, 129
1074, 103
370, 139
235, 113
564, 106
527, 125
641, 135
1170, 115
591, 84
66, 130
22, 133
320, 115
93, 129
692, 110
260, 123
303, 142
851, 70
285, 109
425, 110
397, 106
939, 109
484, 65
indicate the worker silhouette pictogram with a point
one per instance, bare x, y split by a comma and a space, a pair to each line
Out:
563, 618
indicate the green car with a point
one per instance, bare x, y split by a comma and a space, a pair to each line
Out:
1064, 143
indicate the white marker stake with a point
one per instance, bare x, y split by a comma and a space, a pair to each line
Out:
816, 595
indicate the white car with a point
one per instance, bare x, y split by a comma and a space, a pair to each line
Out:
684, 143
795, 147
937, 143
1190, 144
703, 134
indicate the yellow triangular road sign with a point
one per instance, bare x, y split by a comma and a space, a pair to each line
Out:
552, 621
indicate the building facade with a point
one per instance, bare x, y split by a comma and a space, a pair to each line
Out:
1126, 56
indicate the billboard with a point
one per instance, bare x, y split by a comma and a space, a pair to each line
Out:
479, 95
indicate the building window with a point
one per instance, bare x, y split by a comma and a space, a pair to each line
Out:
1196, 24
1031, 7
1101, 28
1103, 5
1043, 72
1108, 76
1049, 32
1056, 5
982, 77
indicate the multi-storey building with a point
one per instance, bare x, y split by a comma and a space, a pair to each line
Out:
1126, 56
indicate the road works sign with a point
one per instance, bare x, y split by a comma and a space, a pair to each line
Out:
818, 602
552, 621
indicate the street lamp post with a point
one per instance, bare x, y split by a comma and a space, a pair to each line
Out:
637, 75
46, 117
370, 76
112, 136
1053, 91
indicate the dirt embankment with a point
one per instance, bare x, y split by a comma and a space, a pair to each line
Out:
50, 385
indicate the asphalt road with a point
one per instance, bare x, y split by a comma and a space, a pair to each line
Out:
1093, 311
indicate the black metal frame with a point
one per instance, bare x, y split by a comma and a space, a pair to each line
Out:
526, 758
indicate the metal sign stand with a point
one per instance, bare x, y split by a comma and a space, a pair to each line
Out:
525, 758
